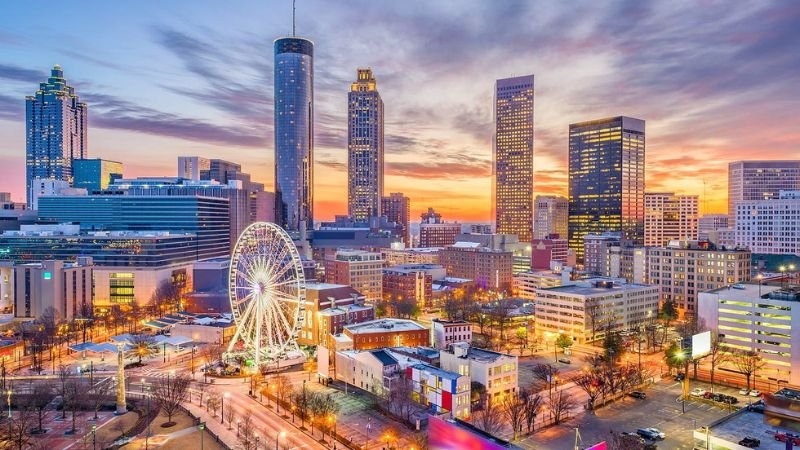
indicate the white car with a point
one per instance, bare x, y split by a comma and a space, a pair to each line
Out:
755, 393
744, 392
698, 392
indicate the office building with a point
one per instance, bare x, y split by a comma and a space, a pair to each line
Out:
489, 268
770, 226
209, 294
626, 261
669, 217
56, 124
206, 218
417, 255
684, 269
435, 232
761, 318
329, 308
64, 287
447, 332
412, 281
294, 133
550, 216
359, 269
588, 309
397, 208
95, 174
480, 228
192, 167
549, 250
710, 223
364, 147
595, 251
606, 179
526, 283
513, 156
40, 187
384, 333
760, 180
497, 372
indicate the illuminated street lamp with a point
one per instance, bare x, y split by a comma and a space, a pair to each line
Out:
222, 403
277, 438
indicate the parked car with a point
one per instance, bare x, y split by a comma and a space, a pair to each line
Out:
717, 397
750, 442
755, 393
698, 392
783, 437
564, 361
638, 394
708, 394
744, 392
756, 407
680, 376
653, 434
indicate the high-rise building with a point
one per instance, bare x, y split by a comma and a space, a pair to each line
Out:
192, 167
669, 217
513, 156
550, 216
435, 232
710, 223
760, 180
595, 251
606, 179
364, 147
770, 226
683, 269
95, 174
397, 208
294, 133
56, 126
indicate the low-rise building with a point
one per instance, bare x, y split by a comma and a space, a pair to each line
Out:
383, 333
66, 287
212, 331
435, 232
490, 269
372, 371
412, 281
361, 270
446, 332
444, 392
418, 255
497, 372
587, 309
526, 283
329, 308
545, 252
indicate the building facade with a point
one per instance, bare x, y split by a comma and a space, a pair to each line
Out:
294, 133
760, 180
435, 232
513, 156
589, 308
361, 270
684, 269
550, 216
606, 179
710, 223
596, 251
384, 333
770, 226
669, 217
489, 268
397, 208
329, 308
56, 125
445, 393
191, 167
412, 281
417, 255
95, 174
526, 283
64, 287
447, 332
364, 147
497, 372
548, 251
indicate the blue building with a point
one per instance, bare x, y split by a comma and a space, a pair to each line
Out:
294, 133
95, 174
56, 122
606, 179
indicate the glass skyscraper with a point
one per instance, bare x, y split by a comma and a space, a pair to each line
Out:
365, 148
95, 174
294, 133
513, 157
56, 123
606, 179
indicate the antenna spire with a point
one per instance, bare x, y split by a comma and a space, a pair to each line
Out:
293, 9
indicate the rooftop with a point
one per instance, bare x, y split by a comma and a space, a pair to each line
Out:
742, 424
384, 325
745, 291
596, 286
412, 268
384, 357
437, 371
344, 309
415, 250
482, 355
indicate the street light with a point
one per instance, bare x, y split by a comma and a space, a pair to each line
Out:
94, 436
142, 385
280, 435
257, 437
237, 427
202, 427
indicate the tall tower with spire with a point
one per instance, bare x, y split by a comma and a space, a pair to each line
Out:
364, 147
56, 125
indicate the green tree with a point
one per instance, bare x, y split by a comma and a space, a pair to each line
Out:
563, 342
667, 314
613, 345
674, 356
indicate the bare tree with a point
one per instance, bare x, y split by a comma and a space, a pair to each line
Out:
100, 393
420, 441
169, 393
213, 402
247, 432
533, 405
514, 409
74, 398
64, 375
560, 404
489, 418
398, 399
593, 313
748, 362
548, 374
16, 429
619, 441
501, 315
230, 416
592, 383
283, 389
40, 396
716, 356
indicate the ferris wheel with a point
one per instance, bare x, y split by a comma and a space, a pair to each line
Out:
267, 292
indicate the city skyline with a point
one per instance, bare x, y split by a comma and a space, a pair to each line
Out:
211, 96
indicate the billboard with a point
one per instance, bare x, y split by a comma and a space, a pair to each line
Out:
701, 344
445, 435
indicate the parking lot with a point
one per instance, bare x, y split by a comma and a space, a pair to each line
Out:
661, 409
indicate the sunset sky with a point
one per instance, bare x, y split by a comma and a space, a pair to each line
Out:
716, 81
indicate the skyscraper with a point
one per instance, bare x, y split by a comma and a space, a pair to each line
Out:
56, 124
513, 157
606, 179
294, 133
669, 217
397, 208
95, 174
364, 148
550, 216
760, 180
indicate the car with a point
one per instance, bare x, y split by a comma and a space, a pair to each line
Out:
750, 442
783, 437
708, 394
565, 361
698, 392
637, 394
756, 407
717, 397
755, 393
680, 377
729, 399
744, 392
651, 433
